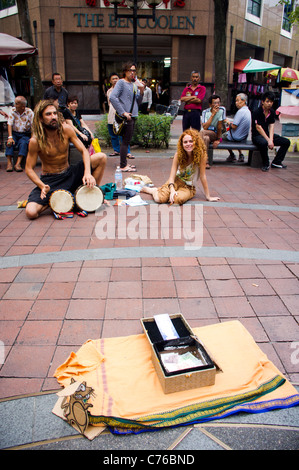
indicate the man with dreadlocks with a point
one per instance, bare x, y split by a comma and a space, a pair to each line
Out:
189, 164
50, 142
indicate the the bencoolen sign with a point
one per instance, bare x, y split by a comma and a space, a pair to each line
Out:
96, 20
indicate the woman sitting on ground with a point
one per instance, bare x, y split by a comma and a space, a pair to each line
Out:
189, 162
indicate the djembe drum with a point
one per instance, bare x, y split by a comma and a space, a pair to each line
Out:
61, 201
89, 199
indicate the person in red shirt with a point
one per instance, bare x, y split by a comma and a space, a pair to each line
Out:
192, 96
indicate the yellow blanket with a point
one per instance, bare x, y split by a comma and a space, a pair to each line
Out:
128, 393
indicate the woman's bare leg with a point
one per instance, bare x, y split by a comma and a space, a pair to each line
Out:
152, 191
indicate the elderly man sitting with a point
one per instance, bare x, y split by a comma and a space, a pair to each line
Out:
239, 128
19, 125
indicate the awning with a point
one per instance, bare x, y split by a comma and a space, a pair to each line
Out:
14, 50
253, 65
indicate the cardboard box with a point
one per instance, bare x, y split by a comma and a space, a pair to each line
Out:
185, 379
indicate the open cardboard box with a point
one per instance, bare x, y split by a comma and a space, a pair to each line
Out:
185, 379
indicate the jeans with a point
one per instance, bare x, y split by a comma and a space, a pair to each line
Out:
282, 142
21, 144
115, 139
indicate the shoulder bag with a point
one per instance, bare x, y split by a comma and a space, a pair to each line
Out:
120, 122
84, 131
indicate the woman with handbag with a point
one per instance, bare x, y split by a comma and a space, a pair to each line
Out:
73, 117
115, 139
125, 98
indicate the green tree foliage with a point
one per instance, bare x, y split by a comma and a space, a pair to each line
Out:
294, 15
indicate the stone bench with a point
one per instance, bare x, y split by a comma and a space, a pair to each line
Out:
254, 157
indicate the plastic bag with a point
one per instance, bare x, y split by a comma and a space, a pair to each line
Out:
94, 147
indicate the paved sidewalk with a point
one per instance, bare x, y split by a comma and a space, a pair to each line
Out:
60, 284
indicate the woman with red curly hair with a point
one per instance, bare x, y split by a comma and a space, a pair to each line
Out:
189, 164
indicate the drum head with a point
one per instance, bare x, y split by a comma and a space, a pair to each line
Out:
89, 199
61, 201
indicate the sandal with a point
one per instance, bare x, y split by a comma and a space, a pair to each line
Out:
128, 169
18, 169
114, 154
9, 169
130, 156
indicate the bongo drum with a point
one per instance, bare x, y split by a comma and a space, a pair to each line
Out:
61, 201
89, 199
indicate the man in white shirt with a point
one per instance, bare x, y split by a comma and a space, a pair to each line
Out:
239, 128
147, 98
19, 125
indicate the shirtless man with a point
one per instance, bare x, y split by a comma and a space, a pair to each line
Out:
50, 142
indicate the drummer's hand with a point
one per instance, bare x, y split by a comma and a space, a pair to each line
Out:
44, 191
89, 180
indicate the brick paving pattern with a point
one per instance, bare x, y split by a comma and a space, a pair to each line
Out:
61, 285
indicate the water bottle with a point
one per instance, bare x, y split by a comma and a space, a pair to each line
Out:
118, 178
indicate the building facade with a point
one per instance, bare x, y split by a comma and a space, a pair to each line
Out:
82, 40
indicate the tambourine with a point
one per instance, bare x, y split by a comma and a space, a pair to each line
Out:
61, 201
89, 199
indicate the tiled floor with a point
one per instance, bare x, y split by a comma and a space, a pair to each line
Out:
63, 282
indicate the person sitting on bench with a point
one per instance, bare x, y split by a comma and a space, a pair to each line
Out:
263, 120
19, 126
239, 128
212, 120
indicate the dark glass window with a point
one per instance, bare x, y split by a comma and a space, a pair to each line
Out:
7, 4
286, 24
254, 7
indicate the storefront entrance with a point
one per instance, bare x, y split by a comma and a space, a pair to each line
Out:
153, 63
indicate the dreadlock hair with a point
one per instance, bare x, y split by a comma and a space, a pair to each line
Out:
199, 150
38, 128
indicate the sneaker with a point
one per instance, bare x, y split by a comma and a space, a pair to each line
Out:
265, 168
241, 158
278, 165
231, 158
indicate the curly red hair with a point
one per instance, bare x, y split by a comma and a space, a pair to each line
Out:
199, 151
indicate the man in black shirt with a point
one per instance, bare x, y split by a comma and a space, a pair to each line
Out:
263, 136
57, 91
